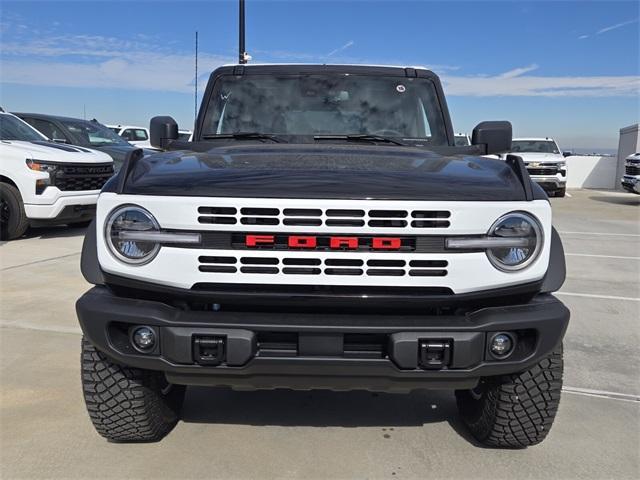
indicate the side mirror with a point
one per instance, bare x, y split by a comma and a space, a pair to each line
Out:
495, 136
162, 131
567, 154
60, 140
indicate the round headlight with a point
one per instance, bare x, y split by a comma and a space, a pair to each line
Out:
123, 226
525, 238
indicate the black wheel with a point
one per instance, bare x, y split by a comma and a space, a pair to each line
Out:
13, 219
561, 192
514, 411
128, 404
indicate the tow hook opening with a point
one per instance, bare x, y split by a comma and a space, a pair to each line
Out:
434, 354
209, 350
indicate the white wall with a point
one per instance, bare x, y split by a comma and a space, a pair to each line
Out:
591, 172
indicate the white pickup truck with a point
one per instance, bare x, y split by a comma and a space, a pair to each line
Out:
42, 182
545, 163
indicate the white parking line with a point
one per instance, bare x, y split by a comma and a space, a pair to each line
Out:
601, 233
568, 194
625, 397
600, 256
604, 297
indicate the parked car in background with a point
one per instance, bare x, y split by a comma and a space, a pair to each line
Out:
84, 133
42, 182
545, 163
462, 140
631, 179
185, 135
138, 136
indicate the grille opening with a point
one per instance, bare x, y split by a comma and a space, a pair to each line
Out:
387, 223
430, 214
365, 345
343, 271
259, 211
387, 213
307, 222
206, 259
217, 269
385, 272
302, 212
259, 221
259, 261
427, 273
428, 263
301, 261
386, 263
218, 220
301, 271
344, 223
430, 223
344, 213
218, 210
343, 262
277, 344
265, 270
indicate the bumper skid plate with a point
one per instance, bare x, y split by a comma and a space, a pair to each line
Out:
250, 350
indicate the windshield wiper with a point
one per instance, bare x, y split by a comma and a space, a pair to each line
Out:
245, 135
364, 137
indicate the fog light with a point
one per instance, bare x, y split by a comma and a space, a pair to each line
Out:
144, 338
501, 345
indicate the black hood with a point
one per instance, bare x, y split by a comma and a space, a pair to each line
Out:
324, 171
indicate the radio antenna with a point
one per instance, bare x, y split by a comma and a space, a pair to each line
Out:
195, 109
243, 56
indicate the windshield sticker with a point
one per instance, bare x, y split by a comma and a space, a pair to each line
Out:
401, 88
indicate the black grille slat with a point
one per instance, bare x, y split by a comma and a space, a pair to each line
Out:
209, 259
430, 214
301, 271
303, 222
343, 271
344, 213
385, 272
632, 170
261, 270
302, 212
218, 210
344, 223
428, 263
387, 213
259, 221
427, 273
542, 171
343, 262
301, 261
217, 269
259, 261
386, 263
218, 220
430, 223
388, 223
259, 211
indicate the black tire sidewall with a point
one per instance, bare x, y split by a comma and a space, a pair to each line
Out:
16, 225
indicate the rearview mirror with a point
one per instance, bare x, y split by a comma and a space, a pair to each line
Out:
162, 131
495, 136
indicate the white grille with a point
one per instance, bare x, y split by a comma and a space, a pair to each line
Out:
318, 217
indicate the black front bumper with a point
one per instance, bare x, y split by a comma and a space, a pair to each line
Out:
69, 214
322, 350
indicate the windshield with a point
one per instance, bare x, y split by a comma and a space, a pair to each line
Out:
12, 128
534, 146
327, 104
92, 133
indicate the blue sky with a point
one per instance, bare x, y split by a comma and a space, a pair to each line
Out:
563, 69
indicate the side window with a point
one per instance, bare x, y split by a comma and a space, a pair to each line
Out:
128, 135
46, 128
140, 135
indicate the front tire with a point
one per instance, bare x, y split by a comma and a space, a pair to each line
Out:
128, 404
13, 219
514, 411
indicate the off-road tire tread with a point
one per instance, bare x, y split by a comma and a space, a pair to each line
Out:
127, 404
516, 411
19, 222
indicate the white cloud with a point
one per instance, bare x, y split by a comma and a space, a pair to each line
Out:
609, 28
616, 26
92, 61
515, 83
350, 43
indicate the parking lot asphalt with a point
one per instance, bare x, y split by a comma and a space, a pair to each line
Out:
45, 431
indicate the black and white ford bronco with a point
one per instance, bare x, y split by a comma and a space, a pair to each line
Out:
322, 231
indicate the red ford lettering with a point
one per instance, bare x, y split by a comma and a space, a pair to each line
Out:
257, 240
338, 243
302, 242
386, 243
